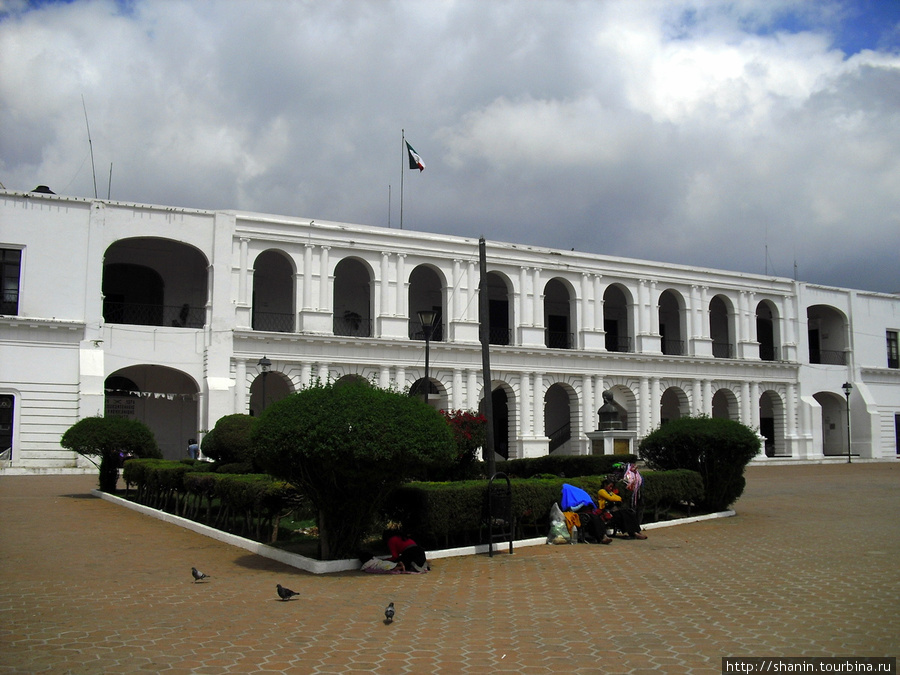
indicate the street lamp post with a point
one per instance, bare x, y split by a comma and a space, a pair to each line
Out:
847, 388
264, 365
427, 318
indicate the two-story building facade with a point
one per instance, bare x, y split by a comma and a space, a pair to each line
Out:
164, 314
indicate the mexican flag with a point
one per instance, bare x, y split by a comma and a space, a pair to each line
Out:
415, 162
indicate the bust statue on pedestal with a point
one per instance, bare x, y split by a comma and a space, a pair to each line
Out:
609, 413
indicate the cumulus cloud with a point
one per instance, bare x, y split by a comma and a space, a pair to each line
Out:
697, 132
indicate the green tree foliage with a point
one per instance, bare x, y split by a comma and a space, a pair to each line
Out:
228, 442
112, 439
718, 449
346, 448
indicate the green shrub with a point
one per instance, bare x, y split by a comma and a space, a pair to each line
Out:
112, 439
717, 449
228, 442
562, 465
346, 448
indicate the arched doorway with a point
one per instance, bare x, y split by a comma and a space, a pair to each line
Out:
266, 389
273, 293
558, 416
671, 323
617, 321
673, 405
771, 423
725, 405
426, 292
834, 423
164, 399
352, 298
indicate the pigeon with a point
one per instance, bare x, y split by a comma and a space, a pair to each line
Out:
285, 593
198, 575
389, 613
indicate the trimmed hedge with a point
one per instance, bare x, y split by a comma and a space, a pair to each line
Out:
444, 514
563, 465
245, 504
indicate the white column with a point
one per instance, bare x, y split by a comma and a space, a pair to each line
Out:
525, 397
754, 405
644, 406
653, 306
305, 374
384, 377
790, 411
745, 403
472, 390
706, 409
586, 318
655, 403
598, 302
524, 311
323, 372
697, 394
704, 304
240, 389
537, 298
587, 403
401, 378
298, 299
243, 272
537, 397
386, 309
324, 280
457, 393
471, 292
402, 295
643, 313
307, 276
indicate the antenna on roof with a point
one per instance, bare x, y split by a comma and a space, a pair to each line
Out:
90, 144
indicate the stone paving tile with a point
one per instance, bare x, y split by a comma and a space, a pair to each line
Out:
802, 570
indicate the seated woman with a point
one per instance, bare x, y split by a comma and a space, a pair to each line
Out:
624, 519
404, 550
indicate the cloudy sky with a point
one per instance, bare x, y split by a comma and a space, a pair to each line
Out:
761, 136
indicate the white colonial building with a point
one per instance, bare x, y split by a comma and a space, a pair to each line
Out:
164, 314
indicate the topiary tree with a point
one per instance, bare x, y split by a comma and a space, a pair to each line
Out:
112, 439
228, 442
347, 448
718, 449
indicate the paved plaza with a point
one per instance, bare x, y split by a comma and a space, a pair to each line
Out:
810, 566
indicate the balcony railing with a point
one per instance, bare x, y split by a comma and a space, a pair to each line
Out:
500, 336
829, 357
143, 314
723, 350
768, 352
618, 343
673, 347
274, 322
352, 327
558, 340
437, 334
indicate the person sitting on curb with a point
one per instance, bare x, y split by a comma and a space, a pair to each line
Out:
623, 518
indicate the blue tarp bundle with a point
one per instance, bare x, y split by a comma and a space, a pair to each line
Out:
573, 497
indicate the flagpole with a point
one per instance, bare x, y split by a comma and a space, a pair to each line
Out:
402, 157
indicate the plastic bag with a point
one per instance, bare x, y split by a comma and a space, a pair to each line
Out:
559, 533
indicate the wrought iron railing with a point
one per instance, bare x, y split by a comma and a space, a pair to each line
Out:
437, 333
273, 322
617, 343
500, 336
146, 314
673, 347
723, 350
829, 357
559, 437
352, 326
768, 352
558, 339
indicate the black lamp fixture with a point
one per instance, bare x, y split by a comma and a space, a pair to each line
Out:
264, 365
847, 387
427, 317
